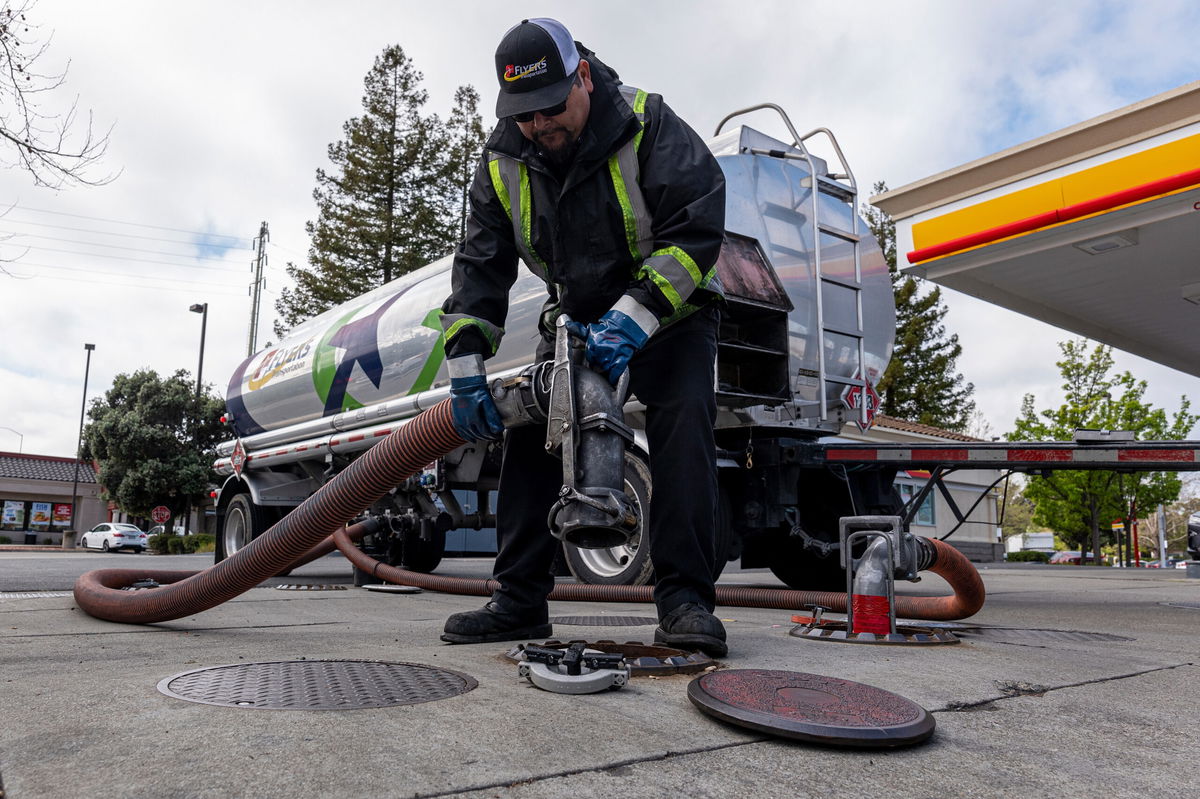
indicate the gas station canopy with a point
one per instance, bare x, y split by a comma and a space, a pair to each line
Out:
1094, 228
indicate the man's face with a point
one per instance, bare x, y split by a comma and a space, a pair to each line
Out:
555, 136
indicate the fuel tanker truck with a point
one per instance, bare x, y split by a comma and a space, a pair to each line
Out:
807, 330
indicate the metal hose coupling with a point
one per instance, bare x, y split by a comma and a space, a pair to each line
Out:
586, 429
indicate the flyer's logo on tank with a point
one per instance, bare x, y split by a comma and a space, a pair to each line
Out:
513, 72
278, 362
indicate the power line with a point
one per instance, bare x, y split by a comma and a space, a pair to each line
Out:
115, 274
116, 246
123, 222
125, 258
208, 286
109, 233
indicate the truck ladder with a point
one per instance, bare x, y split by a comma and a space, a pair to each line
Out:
844, 334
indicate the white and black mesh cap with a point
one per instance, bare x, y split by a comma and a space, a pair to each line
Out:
535, 64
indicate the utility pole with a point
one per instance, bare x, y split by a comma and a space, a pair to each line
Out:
68, 541
260, 261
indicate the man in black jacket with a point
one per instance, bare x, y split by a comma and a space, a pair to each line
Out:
604, 193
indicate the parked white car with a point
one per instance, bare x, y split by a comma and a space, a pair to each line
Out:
113, 536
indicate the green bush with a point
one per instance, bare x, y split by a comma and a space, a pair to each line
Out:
5, 540
1029, 556
175, 545
158, 544
47, 541
202, 542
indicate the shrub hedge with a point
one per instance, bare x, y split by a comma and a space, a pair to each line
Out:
1029, 556
163, 544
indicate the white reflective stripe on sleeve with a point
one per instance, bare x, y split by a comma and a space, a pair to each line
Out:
466, 366
639, 313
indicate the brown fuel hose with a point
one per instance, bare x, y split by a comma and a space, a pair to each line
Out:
416, 444
424, 439
948, 563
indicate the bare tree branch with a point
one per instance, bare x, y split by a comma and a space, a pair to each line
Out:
54, 148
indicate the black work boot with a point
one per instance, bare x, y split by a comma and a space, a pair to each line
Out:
494, 623
690, 626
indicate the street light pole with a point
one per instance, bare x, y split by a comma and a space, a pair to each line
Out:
68, 541
21, 442
202, 309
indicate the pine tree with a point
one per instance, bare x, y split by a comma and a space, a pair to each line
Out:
383, 210
920, 383
467, 137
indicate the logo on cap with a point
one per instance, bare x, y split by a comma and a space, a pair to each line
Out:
515, 73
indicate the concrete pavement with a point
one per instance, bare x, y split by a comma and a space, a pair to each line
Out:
1019, 714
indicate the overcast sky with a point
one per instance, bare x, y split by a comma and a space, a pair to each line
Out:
222, 112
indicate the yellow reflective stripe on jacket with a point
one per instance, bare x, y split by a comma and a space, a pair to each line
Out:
453, 324
639, 110
526, 214
625, 171
511, 179
675, 274
498, 185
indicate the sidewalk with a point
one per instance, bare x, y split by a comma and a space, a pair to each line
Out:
1018, 714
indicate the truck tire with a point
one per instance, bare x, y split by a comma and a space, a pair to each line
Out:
623, 565
242, 522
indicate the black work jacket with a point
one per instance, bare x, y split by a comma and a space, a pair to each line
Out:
577, 227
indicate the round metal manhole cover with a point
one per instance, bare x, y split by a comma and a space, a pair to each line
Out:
811, 707
316, 685
604, 621
1016, 635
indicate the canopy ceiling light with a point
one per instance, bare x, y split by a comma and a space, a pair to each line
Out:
1109, 242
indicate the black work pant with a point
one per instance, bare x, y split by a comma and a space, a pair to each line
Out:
673, 377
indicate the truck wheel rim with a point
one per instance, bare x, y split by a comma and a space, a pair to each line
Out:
614, 561
235, 530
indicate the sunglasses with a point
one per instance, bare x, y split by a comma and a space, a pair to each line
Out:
552, 111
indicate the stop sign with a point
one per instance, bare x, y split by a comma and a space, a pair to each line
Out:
161, 514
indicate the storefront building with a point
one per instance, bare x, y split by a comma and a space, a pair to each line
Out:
35, 498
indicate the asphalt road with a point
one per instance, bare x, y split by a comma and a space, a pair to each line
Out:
57, 571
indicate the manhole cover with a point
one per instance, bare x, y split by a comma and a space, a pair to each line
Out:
604, 621
316, 685
1188, 605
1024, 636
642, 659
811, 707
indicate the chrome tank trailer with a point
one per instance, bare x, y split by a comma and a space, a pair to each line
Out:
788, 357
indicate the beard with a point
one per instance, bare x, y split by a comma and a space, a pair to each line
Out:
556, 145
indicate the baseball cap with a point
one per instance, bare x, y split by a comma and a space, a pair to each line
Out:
535, 64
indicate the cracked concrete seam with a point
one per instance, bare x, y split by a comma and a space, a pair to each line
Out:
1014, 689
593, 769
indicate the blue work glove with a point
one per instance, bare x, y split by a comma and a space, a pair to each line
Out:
474, 410
614, 338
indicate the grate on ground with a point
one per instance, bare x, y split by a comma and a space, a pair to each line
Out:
317, 685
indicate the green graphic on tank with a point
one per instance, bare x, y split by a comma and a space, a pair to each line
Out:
432, 320
360, 341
